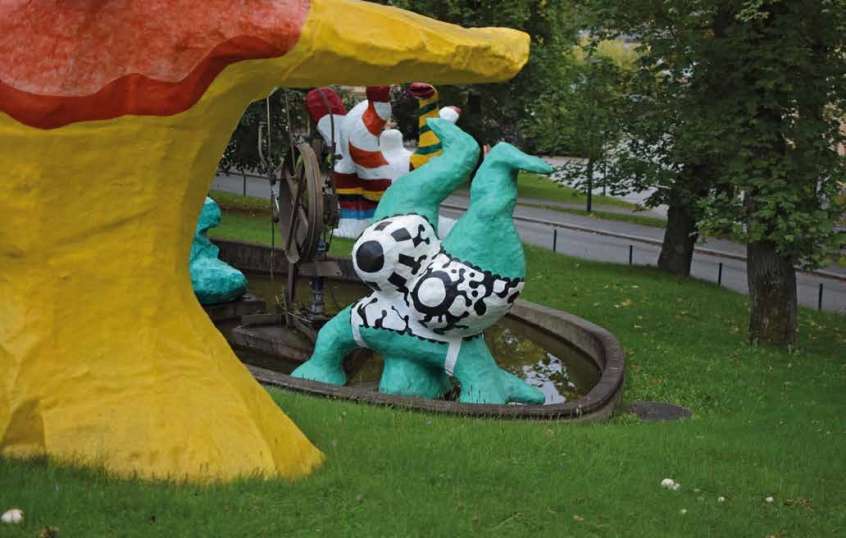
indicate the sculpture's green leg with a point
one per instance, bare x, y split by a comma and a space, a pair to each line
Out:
334, 341
408, 377
482, 381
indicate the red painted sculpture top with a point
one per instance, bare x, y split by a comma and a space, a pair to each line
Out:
64, 61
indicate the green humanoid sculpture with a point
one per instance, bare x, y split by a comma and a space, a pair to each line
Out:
213, 280
432, 300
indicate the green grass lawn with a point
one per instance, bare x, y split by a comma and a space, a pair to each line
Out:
599, 214
243, 204
537, 186
766, 423
534, 189
244, 219
543, 188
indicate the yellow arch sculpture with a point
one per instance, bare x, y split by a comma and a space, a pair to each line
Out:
107, 358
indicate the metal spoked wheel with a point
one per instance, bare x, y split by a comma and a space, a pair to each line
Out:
305, 211
300, 204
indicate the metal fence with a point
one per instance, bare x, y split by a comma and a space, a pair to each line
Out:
635, 240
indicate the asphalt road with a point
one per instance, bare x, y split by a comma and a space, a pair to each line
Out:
597, 247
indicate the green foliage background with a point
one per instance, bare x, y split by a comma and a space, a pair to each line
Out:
738, 110
494, 112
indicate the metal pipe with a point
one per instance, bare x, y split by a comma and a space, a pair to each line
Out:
317, 284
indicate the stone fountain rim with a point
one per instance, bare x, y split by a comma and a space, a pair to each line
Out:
601, 346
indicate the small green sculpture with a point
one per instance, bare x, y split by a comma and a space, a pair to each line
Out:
213, 281
432, 300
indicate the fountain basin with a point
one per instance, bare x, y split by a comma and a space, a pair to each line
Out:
593, 342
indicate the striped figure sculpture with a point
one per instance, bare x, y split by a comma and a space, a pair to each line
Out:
429, 107
362, 172
431, 300
369, 157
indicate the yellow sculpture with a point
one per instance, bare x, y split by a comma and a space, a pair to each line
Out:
107, 154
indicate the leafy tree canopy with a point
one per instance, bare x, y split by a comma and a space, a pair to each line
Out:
747, 95
494, 112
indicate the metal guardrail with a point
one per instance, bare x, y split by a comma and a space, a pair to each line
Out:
647, 240
627, 237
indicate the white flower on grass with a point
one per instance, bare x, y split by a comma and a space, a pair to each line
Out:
12, 516
668, 483
683, 511
769, 499
721, 499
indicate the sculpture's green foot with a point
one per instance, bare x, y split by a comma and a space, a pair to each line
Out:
317, 370
483, 382
405, 377
519, 391
334, 341
508, 388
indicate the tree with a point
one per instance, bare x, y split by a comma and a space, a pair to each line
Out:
578, 114
494, 112
737, 128
665, 146
242, 152
490, 112
784, 75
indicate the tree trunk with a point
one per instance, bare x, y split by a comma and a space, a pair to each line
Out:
589, 185
679, 240
772, 294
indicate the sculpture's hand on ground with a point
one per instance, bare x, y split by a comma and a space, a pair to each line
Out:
322, 369
334, 341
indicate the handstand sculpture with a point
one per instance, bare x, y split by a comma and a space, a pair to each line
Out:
432, 300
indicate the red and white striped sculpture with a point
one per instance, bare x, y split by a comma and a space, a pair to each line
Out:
368, 156
362, 173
